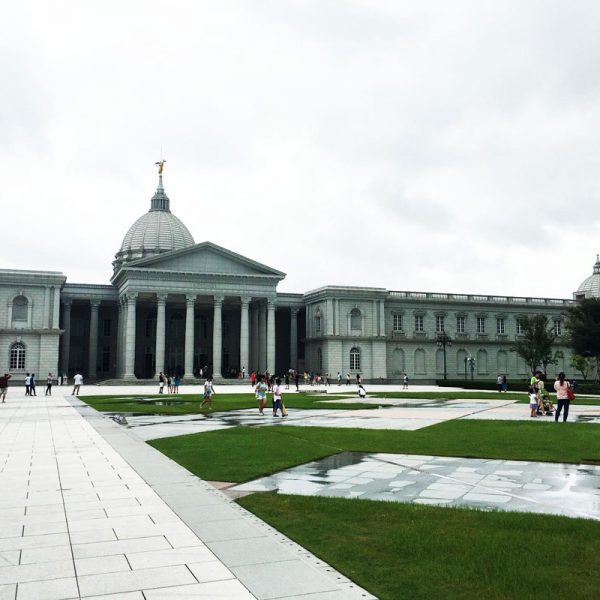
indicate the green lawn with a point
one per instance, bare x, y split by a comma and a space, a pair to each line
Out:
407, 551
190, 403
244, 453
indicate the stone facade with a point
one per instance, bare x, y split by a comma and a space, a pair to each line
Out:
176, 306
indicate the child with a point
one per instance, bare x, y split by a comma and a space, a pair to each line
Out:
277, 401
533, 404
361, 391
209, 390
261, 394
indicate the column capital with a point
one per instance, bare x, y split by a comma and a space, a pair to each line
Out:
67, 304
131, 296
95, 304
161, 298
190, 298
271, 302
218, 299
294, 311
245, 300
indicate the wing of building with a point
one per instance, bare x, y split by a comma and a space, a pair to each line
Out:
180, 307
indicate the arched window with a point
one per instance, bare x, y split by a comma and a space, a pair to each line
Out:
439, 361
319, 359
355, 359
502, 362
19, 308
482, 362
420, 361
398, 360
17, 356
355, 319
461, 365
318, 321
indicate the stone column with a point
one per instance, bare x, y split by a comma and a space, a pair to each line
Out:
329, 317
254, 349
294, 338
46, 318
382, 318
120, 323
93, 350
65, 340
130, 337
262, 338
56, 308
271, 336
161, 303
244, 334
217, 336
190, 301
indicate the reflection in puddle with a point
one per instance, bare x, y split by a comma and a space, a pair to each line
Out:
521, 486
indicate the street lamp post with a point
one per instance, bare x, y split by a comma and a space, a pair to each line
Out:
471, 362
443, 340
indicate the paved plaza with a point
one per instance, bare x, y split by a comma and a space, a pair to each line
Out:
88, 510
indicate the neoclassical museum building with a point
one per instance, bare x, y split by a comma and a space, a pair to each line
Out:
176, 306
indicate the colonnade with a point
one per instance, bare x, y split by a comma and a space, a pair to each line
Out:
256, 338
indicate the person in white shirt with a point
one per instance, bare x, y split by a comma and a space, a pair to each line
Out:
77, 382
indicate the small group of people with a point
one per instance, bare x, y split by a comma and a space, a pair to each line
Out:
261, 389
540, 403
172, 383
502, 383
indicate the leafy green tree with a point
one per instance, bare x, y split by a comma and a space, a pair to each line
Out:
535, 345
583, 364
583, 328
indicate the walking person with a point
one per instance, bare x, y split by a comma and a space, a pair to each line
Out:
405, 382
169, 384
253, 378
504, 384
4, 385
161, 383
564, 394
77, 383
347, 378
27, 384
49, 385
261, 394
176, 382
209, 391
287, 380
297, 380
32, 385
499, 383
277, 399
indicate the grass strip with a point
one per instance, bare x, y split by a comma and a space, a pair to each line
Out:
417, 552
244, 453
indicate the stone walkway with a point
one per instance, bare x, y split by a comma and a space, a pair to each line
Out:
88, 510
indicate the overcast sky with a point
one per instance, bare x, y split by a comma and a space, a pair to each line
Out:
431, 146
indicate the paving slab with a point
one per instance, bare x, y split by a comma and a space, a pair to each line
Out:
89, 510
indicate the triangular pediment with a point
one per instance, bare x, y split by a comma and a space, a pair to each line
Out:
205, 258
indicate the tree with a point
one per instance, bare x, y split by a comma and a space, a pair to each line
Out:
583, 328
583, 364
535, 346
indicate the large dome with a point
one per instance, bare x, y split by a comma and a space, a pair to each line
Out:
159, 230
590, 287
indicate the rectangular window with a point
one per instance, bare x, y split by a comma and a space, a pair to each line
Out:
106, 327
439, 324
397, 322
480, 324
418, 322
460, 324
317, 323
519, 327
106, 357
500, 326
557, 327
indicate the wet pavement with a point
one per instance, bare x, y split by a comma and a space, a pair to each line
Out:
550, 488
406, 415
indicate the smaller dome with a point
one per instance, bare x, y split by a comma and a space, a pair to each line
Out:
158, 231
590, 287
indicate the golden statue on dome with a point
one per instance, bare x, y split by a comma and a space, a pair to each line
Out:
160, 164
